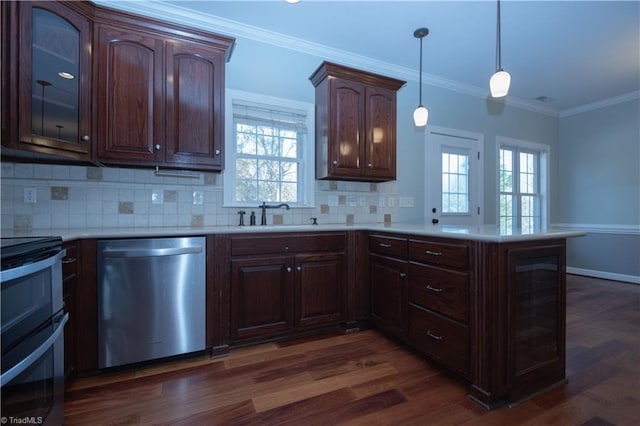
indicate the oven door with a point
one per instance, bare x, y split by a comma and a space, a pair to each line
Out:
32, 380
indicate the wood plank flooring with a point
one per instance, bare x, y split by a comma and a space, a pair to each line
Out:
366, 379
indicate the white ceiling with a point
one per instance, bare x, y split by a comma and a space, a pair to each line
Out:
578, 53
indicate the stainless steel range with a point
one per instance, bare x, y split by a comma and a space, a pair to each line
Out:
32, 331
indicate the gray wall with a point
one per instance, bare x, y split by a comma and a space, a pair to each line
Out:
599, 188
275, 71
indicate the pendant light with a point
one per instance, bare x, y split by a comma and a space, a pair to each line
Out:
421, 114
500, 80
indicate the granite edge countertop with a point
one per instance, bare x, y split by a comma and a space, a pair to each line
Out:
486, 233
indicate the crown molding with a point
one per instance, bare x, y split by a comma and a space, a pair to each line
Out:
601, 104
182, 16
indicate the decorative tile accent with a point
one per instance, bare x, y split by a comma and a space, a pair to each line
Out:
324, 209
209, 179
197, 220
373, 209
170, 196
22, 222
59, 193
333, 185
125, 207
278, 219
387, 218
94, 173
350, 219
342, 200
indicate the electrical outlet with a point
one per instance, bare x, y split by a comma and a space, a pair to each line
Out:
30, 195
381, 201
198, 198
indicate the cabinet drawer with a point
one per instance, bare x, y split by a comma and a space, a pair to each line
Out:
388, 246
440, 290
441, 338
455, 255
286, 243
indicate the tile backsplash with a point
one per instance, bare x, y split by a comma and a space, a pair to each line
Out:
41, 196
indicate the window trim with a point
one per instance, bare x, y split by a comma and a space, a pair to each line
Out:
544, 152
307, 174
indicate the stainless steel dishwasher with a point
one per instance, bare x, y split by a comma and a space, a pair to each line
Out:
151, 299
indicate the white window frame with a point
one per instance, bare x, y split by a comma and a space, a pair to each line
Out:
307, 163
544, 153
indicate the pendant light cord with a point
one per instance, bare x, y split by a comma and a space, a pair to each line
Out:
498, 41
420, 76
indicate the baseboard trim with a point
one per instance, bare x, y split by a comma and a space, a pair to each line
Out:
633, 279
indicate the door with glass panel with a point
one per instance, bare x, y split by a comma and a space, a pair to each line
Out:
454, 177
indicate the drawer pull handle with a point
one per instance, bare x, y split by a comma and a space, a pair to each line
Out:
433, 336
68, 260
403, 275
433, 253
383, 245
434, 289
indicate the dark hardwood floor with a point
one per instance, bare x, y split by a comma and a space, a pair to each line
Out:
366, 379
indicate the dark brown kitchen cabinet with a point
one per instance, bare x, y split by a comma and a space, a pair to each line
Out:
261, 296
47, 98
355, 124
439, 282
388, 280
319, 289
535, 318
285, 283
160, 98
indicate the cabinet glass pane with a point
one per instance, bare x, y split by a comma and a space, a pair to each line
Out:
536, 312
55, 76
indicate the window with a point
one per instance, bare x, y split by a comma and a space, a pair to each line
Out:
269, 151
522, 186
455, 182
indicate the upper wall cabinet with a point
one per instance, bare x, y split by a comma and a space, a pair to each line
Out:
98, 85
160, 96
355, 124
47, 79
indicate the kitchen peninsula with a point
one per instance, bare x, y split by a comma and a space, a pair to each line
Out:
487, 306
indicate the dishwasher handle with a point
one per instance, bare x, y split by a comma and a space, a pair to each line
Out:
151, 252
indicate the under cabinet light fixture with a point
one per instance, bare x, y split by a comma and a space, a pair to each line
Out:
421, 114
500, 80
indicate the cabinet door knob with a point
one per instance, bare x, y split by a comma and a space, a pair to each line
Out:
85, 138
288, 268
403, 275
299, 268
370, 165
217, 152
334, 162
157, 147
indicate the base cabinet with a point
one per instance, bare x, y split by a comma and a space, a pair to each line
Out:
286, 283
261, 297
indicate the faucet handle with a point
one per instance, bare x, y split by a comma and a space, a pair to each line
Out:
314, 220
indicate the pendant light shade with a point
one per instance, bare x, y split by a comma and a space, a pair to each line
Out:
499, 84
421, 114
500, 80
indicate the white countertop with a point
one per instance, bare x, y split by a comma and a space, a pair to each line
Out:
486, 233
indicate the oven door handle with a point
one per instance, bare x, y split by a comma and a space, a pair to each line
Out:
14, 371
31, 268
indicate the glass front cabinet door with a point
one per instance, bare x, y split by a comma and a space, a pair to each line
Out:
54, 96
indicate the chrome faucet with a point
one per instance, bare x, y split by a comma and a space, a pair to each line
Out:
264, 207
